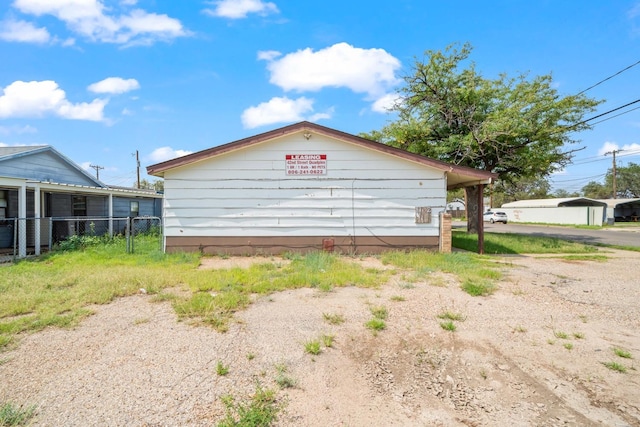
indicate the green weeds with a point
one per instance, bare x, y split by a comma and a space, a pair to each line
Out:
12, 415
261, 409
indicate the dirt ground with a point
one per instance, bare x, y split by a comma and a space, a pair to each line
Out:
532, 354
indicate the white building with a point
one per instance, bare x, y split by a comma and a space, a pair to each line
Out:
307, 187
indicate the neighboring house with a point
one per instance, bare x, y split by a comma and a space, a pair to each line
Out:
39, 182
307, 187
570, 211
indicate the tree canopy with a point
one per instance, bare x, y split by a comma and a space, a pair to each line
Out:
518, 127
627, 184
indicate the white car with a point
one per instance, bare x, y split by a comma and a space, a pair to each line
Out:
492, 217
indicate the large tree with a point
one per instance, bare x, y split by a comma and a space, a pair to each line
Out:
627, 181
519, 128
595, 190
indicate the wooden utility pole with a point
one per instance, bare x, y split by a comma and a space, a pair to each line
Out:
138, 169
614, 152
97, 168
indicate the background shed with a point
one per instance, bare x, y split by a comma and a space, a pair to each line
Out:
574, 211
306, 187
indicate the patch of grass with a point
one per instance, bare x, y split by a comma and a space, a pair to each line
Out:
379, 312
448, 326
376, 324
478, 287
520, 329
327, 340
597, 258
568, 345
451, 315
221, 369
507, 243
55, 289
615, 366
13, 415
578, 335
561, 335
333, 319
398, 298
282, 378
622, 353
312, 347
251, 356
261, 409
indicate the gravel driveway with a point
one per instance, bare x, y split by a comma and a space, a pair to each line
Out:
533, 353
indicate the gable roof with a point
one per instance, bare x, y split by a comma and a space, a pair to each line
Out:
16, 152
457, 176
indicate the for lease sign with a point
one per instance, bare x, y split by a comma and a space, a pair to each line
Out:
306, 164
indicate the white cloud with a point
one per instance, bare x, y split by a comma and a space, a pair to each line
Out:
114, 85
369, 71
268, 55
18, 130
88, 18
166, 153
385, 103
36, 99
24, 32
627, 149
277, 110
237, 9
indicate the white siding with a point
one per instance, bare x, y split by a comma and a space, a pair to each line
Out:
247, 192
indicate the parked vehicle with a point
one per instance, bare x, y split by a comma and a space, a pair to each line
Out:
492, 217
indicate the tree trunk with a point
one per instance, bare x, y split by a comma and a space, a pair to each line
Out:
473, 207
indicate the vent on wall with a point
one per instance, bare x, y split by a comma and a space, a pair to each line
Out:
423, 215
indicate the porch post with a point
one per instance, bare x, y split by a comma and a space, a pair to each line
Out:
110, 215
36, 218
22, 221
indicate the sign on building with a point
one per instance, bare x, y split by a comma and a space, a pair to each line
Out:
306, 164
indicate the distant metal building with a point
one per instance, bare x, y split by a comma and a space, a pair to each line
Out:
306, 187
570, 211
622, 210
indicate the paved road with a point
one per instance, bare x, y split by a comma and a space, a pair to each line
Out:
609, 236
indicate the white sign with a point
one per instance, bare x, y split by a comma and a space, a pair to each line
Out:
306, 164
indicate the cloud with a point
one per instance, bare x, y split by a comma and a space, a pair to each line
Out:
626, 150
114, 85
281, 110
23, 32
37, 99
166, 153
385, 103
369, 71
88, 18
18, 130
237, 9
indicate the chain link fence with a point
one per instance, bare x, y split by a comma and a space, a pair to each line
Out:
22, 237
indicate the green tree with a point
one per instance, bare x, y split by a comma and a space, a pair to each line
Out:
157, 185
627, 181
595, 190
522, 189
564, 194
515, 127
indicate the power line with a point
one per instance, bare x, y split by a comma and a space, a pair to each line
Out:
613, 117
610, 77
607, 112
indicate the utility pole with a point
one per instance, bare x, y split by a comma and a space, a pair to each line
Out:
614, 152
138, 169
97, 168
